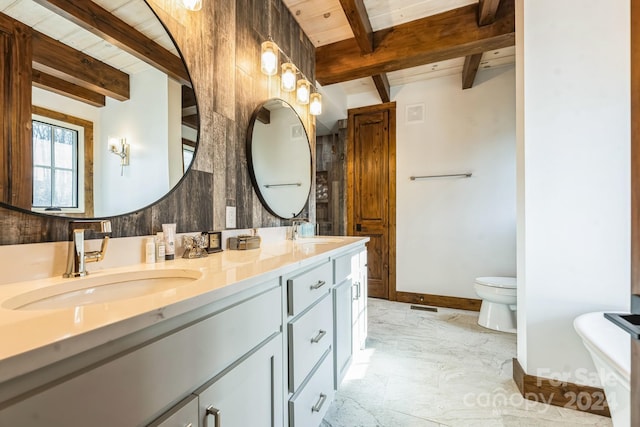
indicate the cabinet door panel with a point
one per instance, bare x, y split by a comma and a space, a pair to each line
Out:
342, 296
249, 394
136, 388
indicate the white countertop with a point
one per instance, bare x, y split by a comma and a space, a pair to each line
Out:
35, 338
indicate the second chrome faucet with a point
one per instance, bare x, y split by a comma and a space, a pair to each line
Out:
78, 257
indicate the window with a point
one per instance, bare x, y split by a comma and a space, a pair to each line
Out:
187, 156
57, 160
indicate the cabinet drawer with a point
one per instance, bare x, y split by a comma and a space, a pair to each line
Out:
309, 338
184, 414
345, 265
307, 287
308, 407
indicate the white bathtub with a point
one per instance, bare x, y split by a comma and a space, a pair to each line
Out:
610, 349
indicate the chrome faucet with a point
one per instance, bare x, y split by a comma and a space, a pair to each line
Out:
78, 257
295, 227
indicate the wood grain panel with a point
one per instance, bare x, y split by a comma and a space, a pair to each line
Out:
560, 393
15, 123
225, 31
440, 301
371, 191
487, 10
371, 173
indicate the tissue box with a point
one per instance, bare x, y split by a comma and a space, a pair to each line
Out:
243, 242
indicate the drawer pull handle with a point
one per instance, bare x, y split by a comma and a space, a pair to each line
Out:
356, 286
318, 337
318, 406
189, 425
216, 414
318, 285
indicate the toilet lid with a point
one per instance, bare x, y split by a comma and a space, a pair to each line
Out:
497, 282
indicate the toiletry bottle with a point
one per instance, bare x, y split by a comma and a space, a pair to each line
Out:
160, 247
169, 231
150, 251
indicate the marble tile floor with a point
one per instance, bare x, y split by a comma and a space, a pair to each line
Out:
426, 369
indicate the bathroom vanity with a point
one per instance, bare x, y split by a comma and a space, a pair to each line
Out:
244, 338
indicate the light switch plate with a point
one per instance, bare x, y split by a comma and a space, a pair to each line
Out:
231, 217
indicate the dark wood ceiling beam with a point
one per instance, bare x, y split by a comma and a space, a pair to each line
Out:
487, 10
382, 84
470, 69
70, 90
448, 35
59, 60
358, 18
100, 22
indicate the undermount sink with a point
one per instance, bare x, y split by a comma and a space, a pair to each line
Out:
102, 289
319, 240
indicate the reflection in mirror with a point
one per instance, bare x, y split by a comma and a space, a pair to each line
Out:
279, 157
86, 92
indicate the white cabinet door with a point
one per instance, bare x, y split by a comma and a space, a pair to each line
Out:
250, 393
342, 297
359, 306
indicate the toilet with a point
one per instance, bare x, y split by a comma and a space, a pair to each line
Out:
498, 310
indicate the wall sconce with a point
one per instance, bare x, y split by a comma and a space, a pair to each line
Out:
288, 77
192, 5
120, 148
302, 94
315, 104
269, 58
269, 53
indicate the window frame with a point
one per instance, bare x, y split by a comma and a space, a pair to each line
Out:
84, 159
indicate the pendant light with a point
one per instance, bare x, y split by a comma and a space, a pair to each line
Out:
303, 91
192, 5
269, 58
315, 104
288, 77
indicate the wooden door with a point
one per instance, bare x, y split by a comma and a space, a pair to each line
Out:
635, 205
371, 198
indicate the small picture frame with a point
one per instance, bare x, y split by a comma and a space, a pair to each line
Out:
214, 243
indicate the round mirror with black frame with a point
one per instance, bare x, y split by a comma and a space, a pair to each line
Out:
113, 128
279, 158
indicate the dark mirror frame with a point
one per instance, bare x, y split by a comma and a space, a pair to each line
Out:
171, 190
249, 146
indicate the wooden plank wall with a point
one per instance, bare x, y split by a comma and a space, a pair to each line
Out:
221, 46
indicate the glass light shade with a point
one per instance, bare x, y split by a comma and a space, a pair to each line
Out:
269, 58
315, 104
288, 77
193, 5
303, 91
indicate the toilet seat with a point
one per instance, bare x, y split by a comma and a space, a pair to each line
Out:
498, 282
499, 298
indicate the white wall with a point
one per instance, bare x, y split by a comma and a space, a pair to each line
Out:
452, 230
573, 150
143, 121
